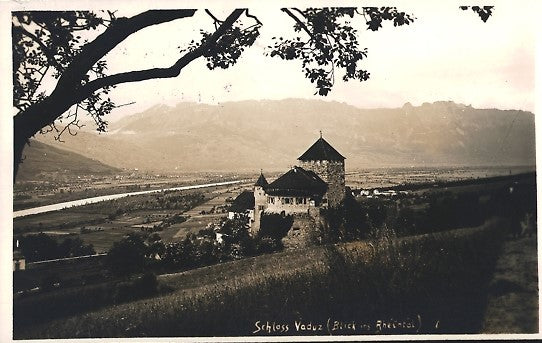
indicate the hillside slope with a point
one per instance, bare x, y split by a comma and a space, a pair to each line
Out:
41, 159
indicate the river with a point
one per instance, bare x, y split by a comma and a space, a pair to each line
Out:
81, 202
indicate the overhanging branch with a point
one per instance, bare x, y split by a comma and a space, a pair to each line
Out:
298, 21
253, 17
92, 52
157, 73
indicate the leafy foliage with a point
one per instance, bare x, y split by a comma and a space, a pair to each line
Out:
226, 241
347, 222
327, 40
484, 12
44, 45
444, 276
43, 247
127, 256
227, 50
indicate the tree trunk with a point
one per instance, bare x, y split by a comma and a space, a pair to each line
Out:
30, 121
18, 147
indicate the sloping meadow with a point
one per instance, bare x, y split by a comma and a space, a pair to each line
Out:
435, 283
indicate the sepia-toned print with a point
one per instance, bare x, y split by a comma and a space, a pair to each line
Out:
273, 171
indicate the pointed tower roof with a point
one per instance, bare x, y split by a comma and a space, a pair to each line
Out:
262, 182
321, 150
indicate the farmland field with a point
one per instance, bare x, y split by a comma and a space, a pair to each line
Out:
110, 221
389, 177
438, 253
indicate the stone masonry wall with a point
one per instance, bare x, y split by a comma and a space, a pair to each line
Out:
332, 173
302, 233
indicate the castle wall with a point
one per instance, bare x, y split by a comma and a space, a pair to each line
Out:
288, 205
260, 204
302, 233
332, 172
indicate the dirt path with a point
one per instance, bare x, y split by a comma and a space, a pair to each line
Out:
513, 295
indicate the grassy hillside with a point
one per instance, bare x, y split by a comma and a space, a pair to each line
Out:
41, 159
433, 283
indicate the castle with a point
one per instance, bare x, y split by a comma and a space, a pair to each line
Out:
317, 182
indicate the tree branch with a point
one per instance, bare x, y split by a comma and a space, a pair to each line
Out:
216, 20
300, 12
110, 38
297, 20
157, 73
253, 17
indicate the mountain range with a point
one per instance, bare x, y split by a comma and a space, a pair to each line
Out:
271, 134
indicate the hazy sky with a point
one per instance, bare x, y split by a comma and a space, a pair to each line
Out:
446, 54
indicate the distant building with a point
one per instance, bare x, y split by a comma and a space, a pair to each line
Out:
243, 204
19, 262
318, 182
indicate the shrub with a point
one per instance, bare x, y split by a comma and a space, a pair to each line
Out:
266, 245
127, 256
43, 247
344, 223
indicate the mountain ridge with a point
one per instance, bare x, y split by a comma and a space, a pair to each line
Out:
271, 134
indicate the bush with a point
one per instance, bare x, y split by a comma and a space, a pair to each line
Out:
266, 245
347, 222
127, 256
43, 247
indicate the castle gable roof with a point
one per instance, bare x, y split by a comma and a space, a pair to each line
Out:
321, 150
244, 201
297, 182
262, 182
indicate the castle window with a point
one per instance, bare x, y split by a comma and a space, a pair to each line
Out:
260, 207
287, 200
298, 201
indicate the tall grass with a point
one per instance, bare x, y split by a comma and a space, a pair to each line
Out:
439, 280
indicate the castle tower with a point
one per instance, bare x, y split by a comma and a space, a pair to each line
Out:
260, 202
328, 164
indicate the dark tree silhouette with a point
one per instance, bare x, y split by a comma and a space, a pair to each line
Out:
47, 43
127, 256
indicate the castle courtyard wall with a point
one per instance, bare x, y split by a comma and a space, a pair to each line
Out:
289, 205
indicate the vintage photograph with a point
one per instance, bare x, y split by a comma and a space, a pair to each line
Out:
262, 171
